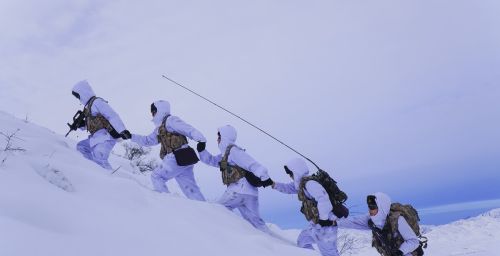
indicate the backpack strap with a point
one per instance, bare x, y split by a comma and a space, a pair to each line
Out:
232, 173
90, 103
224, 164
164, 122
226, 154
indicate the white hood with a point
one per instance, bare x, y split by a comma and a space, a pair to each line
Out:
384, 207
228, 137
299, 169
163, 109
84, 90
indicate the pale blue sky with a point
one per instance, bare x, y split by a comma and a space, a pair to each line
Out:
395, 96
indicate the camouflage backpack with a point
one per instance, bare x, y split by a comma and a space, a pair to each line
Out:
170, 141
233, 173
98, 122
390, 236
337, 197
230, 173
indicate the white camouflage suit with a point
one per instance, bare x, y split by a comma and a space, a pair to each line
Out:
411, 242
239, 195
324, 237
99, 145
169, 169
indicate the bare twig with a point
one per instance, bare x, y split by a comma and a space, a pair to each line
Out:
116, 170
133, 152
348, 244
146, 165
138, 157
9, 146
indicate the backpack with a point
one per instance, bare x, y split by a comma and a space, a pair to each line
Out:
409, 213
337, 196
411, 216
98, 122
233, 173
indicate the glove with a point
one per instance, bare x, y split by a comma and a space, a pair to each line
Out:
125, 135
396, 252
325, 223
267, 182
201, 146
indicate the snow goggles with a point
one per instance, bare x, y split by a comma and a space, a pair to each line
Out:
372, 203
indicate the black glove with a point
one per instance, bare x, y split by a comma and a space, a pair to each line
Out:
267, 182
396, 252
125, 135
201, 146
325, 223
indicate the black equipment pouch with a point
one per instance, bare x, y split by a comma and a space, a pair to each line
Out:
186, 156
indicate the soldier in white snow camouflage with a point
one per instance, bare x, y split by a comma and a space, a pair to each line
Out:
103, 123
172, 133
379, 216
236, 165
324, 232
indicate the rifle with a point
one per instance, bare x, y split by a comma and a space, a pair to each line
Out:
78, 121
377, 233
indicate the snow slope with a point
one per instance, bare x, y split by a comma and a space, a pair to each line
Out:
55, 202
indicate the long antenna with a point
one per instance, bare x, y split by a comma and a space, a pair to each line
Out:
242, 119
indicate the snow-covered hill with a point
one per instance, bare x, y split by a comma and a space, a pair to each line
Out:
55, 202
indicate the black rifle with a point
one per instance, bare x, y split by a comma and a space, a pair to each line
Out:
78, 121
379, 236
